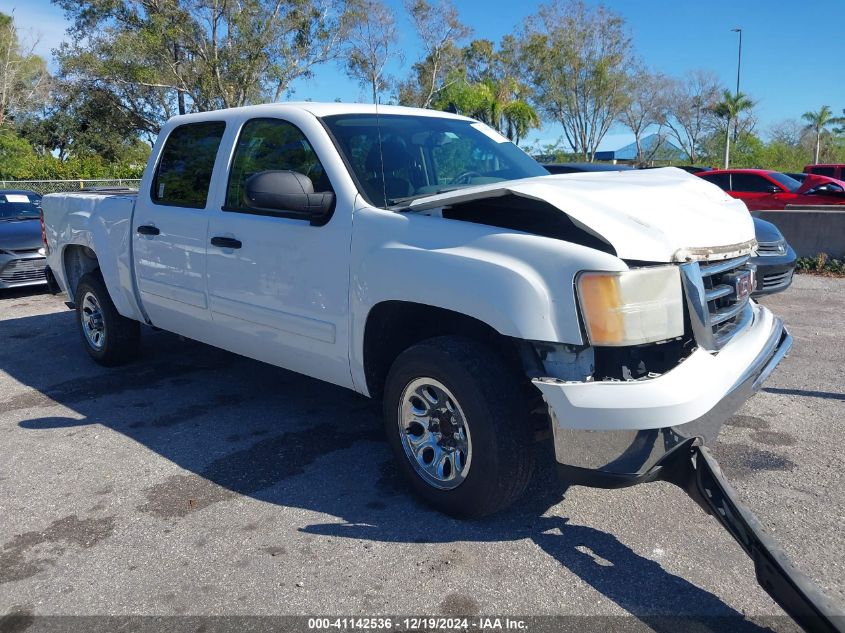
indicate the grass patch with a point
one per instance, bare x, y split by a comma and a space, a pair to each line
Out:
821, 264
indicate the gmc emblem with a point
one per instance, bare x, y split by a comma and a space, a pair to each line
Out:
743, 283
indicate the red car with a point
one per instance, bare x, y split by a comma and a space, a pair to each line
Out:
765, 190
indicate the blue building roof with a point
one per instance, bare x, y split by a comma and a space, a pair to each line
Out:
655, 147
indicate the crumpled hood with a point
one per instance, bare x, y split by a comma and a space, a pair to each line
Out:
657, 215
20, 235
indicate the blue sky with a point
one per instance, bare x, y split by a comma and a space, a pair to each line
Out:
789, 63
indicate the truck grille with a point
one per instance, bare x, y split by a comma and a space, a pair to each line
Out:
24, 270
716, 313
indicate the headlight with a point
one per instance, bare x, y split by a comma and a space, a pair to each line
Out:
631, 307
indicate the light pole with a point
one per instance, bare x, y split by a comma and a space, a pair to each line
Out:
736, 94
739, 57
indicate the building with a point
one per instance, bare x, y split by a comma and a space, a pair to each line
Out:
656, 149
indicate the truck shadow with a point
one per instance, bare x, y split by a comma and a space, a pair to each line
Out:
239, 427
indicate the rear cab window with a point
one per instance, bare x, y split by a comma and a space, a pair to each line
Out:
183, 174
824, 171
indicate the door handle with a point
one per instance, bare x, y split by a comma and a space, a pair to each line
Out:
225, 242
145, 229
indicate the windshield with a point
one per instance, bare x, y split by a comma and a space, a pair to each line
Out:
15, 206
423, 155
788, 182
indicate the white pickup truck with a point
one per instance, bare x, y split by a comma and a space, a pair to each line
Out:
420, 258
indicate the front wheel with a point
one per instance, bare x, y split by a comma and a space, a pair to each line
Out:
458, 426
109, 338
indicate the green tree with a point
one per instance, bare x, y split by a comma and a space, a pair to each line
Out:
690, 113
83, 121
646, 107
158, 58
729, 110
576, 60
372, 40
440, 33
487, 88
24, 80
817, 123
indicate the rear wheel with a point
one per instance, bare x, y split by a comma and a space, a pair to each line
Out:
109, 338
458, 426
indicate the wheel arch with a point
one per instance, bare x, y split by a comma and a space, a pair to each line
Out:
78, 260
393, 326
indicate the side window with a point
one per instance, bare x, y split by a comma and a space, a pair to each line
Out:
751, 183
825, 171
271, 144
184, 170
722, 181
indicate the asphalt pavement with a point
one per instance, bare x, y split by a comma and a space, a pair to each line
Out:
197, 482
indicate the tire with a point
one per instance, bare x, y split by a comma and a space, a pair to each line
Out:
109, 338
477, 422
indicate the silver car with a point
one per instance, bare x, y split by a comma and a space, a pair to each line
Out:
22, 260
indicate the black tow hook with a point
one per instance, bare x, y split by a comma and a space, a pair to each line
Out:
695, 471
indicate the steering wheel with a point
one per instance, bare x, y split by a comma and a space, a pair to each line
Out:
464, 178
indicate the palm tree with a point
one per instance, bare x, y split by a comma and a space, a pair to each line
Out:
519, 117
817, 122
729, 108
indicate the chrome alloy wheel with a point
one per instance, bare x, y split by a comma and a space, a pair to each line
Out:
93, 324
434, 433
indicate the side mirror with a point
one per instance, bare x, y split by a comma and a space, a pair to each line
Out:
774, 189
288, 193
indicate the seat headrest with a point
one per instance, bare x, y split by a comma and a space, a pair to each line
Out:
394, 155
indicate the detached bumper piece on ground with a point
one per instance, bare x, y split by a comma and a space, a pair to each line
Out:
696, 471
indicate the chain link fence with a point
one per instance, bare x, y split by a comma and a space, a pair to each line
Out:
60, 186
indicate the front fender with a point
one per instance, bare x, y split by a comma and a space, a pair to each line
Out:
519, 284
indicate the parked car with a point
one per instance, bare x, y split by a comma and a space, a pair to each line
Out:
830, 170
22, 259
471, 289
774, 259
800, 176
766, 190
573, 168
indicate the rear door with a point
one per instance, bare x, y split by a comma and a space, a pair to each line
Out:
278, 286
169, 229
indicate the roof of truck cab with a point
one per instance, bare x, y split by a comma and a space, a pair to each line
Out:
321, 110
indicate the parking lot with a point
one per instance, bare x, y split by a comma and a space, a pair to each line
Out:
194, 481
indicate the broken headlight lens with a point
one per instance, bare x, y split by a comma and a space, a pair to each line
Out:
632, 307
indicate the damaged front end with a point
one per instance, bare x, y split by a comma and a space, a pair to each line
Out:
670, 360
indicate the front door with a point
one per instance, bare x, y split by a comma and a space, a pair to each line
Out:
278, 286
170, 226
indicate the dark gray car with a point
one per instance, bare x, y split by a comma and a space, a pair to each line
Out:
775, 259
22, 259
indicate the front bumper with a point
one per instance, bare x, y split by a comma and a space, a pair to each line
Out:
22, 269
623, 428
